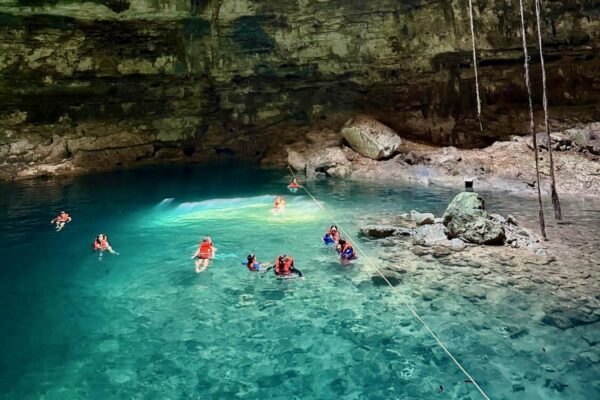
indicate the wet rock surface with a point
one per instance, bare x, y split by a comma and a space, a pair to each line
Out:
238, 78
370, 138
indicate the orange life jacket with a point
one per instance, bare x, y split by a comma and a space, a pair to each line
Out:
62, 218
103, 244
284, 267
205, 250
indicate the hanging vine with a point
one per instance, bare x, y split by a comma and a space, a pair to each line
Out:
475, 64
531, 121
555, 200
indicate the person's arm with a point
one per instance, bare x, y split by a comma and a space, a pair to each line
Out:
196, 254
69, 220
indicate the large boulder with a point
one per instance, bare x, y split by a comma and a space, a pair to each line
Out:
370, 138
466, 218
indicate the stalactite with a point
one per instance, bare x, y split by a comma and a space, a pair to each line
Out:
475, 63
555, 200
531, 121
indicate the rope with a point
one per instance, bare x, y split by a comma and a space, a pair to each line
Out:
531, 121
475, 64
555, 200
410, 308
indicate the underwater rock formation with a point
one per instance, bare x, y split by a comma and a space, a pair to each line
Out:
244, 78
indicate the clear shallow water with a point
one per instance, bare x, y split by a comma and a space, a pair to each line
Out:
144, 325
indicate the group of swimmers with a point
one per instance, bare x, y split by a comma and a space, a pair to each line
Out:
283, 266
100, 243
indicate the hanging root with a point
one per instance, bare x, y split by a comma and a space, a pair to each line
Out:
555, 200
532, 123
475, 64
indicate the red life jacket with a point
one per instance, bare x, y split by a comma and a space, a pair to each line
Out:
284, 267
345, 247
103, 244
62, 218
293, 185
205, 250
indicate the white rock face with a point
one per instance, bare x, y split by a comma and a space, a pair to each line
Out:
371, 138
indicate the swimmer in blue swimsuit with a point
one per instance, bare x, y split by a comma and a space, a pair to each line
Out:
254, 266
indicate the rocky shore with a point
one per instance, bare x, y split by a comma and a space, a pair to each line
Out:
469, 245
505, 165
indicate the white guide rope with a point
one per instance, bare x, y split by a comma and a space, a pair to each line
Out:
410, 308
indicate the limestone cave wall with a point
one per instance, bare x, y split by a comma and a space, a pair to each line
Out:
117, 81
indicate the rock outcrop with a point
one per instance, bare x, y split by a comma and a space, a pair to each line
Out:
370, 138
466, 218
320, 154
246, 78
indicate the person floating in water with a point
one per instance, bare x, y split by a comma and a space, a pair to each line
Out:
284, 267
294, 186
332, 236
254, 266
205, 252
61, 219
346, 251
279, 204
101, 244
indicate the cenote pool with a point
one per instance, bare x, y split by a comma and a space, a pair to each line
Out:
144, 325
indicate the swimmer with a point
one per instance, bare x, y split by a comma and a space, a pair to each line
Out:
294, 185
205, 252
332, 236
279, 204
61, 220
101, 244
284, 267
254, 266
346, 251
328, 240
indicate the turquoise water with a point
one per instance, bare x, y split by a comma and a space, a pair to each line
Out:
144, 325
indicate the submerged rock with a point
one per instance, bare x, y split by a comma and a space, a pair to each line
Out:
568, 317
370, 138
392, 276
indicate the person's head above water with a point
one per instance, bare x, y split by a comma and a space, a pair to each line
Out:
333, 228
341, 242
251, 257
207, 239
